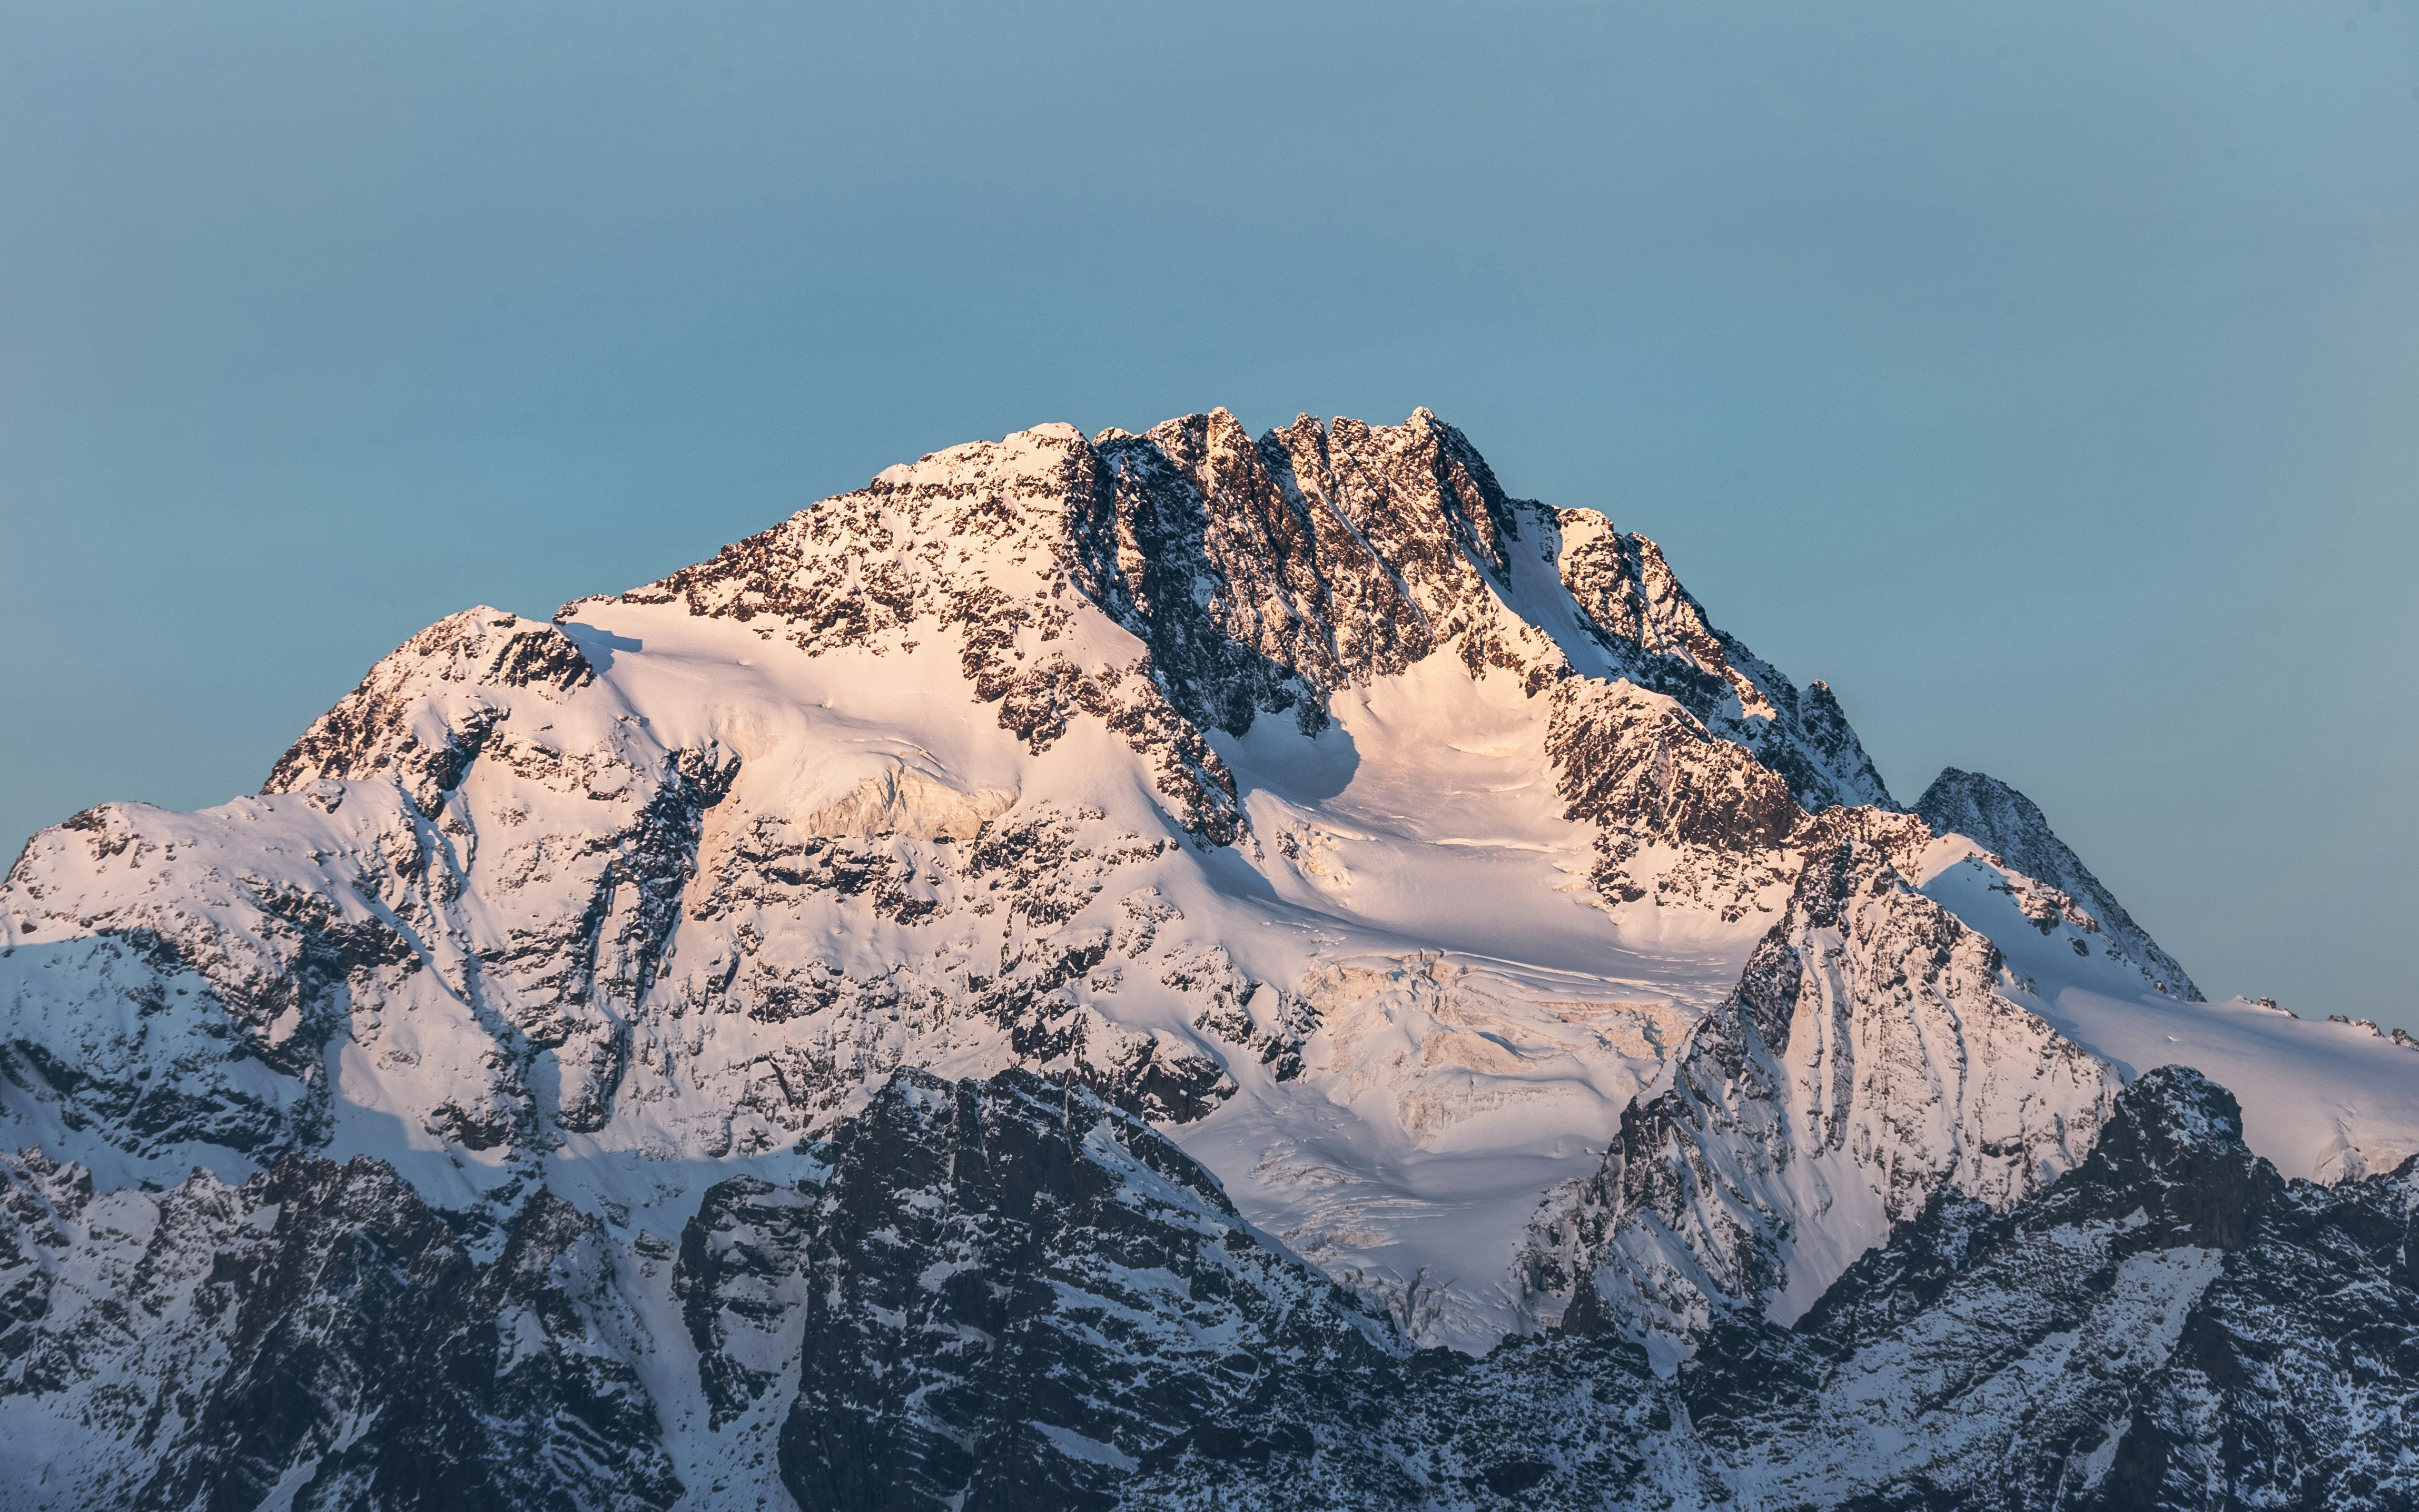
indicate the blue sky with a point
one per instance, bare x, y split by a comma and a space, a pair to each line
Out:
2043, 375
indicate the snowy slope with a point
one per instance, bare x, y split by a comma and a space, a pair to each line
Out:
1876, 1053
2010, 826
2323, 1101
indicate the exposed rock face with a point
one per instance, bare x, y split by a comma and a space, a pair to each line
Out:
420, 716
1661, 788
2004, 820
1663, 640
1336, 554
317, 1334
2171, 1325
1013, 1292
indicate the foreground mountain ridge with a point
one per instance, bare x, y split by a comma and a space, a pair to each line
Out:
1008, 1294
1411, 873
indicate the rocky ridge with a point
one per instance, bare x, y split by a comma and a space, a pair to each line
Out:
2168, 1325
317, 1336
1008, 1294
1876, 1054
2007, 822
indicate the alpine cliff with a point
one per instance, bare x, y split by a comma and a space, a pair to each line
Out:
1158, 970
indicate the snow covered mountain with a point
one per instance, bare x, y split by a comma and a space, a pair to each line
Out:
1996, 815
973, 994
2171, 1324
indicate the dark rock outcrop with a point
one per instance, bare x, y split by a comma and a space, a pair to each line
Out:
1006, 1294
317, 1334
1013, 1292
2171, 1325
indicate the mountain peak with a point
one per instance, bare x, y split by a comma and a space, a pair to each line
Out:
2010, 826
1068, 965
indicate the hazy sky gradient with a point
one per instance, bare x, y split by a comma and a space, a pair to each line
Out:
2043, 375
